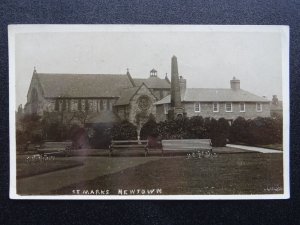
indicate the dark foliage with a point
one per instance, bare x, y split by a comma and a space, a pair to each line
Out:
31, 130
123, 131
101, 137
259, 131
150, 129
239, 130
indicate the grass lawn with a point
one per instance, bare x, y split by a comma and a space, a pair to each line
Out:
242, 173
25, 169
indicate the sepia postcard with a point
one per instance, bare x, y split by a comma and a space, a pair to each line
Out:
149, 112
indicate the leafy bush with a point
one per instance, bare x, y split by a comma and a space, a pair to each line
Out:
124, 131
173, 129
150, 129
101, 137
196, 128
258, 131
239, 131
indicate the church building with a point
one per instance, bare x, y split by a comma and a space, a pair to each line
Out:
107, 98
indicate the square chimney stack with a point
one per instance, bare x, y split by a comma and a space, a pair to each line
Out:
235, 84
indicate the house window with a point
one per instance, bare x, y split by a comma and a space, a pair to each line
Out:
215, 107
242, 107
197, 107
166, 108
258, 107
228, 107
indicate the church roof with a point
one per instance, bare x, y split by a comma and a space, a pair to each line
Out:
215, 95
152, 82
83, 85
126, 96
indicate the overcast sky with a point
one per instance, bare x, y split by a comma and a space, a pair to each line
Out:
206, 59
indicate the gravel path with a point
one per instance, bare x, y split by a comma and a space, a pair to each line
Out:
255, 149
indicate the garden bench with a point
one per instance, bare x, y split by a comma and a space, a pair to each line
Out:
50, 148
191, 145
129, 145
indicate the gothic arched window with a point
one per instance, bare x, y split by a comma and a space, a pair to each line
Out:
34, 101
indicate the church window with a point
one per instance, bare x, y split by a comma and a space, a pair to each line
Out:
101, 105
197, 107
242, 107
108, 104
69, 105
161, 94
56, 108
86, 105
79, 105
166, 108
64, 105
258, 107
215, 107
228, 107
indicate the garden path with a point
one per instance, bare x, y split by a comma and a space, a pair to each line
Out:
255, 149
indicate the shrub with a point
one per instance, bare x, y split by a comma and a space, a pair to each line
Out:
101, 137
173, 129
219, 132
239, 131
150, 129
124, 131
258, 131
196, 128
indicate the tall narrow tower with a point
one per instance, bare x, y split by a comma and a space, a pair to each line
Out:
176, 106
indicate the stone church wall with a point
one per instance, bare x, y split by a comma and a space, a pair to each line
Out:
135, 109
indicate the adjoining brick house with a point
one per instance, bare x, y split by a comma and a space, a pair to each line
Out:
211, 102
215, 102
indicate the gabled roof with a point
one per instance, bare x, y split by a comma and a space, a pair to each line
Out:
152, 82
83, 85
126, 96
215, 95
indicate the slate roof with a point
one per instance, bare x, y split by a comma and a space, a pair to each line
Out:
126, 96
152, 82
215, 95
83, 85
